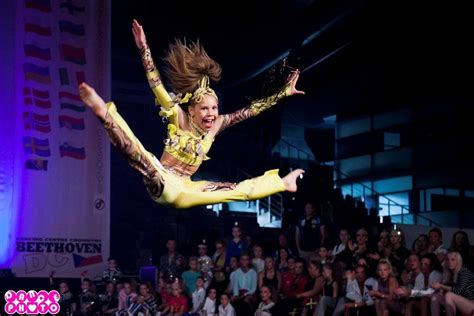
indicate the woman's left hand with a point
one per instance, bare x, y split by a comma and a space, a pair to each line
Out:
138, 34
293, 78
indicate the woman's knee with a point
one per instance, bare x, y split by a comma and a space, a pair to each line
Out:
449, 298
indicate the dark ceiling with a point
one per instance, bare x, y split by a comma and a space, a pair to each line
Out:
376, 55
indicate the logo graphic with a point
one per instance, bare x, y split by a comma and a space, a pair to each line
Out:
32, 302
99, 204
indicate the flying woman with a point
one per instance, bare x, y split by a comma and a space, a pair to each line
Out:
193, 123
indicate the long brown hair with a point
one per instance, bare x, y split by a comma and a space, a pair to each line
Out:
187, 64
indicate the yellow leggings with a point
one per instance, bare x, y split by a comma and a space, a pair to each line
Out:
176, 191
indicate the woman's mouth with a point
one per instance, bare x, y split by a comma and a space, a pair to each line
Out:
207, 123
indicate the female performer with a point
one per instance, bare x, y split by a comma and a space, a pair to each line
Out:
193, 123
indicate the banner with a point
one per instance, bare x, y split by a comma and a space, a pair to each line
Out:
60, 207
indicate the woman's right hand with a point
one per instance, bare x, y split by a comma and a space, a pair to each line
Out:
138, 34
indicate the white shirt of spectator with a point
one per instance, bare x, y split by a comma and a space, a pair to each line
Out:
338, 249
419, 288
198, 298
243, 280
258, 264
353, 291
209, 308
263, 310
227, 311
440, 249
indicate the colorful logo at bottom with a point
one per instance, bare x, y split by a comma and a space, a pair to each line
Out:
32, 302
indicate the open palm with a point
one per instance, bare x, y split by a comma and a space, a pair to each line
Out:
138, 34
292, 79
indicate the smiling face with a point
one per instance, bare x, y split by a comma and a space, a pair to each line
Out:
204, 113
265, 293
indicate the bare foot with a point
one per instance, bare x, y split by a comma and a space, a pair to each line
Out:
92, 100
290, 180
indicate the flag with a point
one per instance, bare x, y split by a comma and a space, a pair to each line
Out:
41, 5
36, 73
36, 164
69, 27
39, 98
36, 146
73, 54
80, 261
70, 7
63, 76
66, 150
37, 122
80, 77
37, 29
69, 95
44, 104
72, 107
65, 80
43, 94
37, 52
71, 122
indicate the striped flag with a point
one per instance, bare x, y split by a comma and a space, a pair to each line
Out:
36, 146
66, 150
37, 29
71, 7
36, 73
80, 261
70, 96
42, 94
73, 107
76, 55
80, 77
36, 122
71, 101
39, 98
65, 79
71, 122
63, 76
72, 28
36, 164
37, 52
41, 5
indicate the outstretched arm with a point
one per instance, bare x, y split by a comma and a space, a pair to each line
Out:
152, 74
258, 106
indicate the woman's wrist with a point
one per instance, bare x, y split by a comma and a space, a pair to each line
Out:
142, 46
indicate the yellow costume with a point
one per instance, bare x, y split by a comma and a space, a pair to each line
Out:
171, 185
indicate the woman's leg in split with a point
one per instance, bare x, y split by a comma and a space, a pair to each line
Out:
123, 138
205, 192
